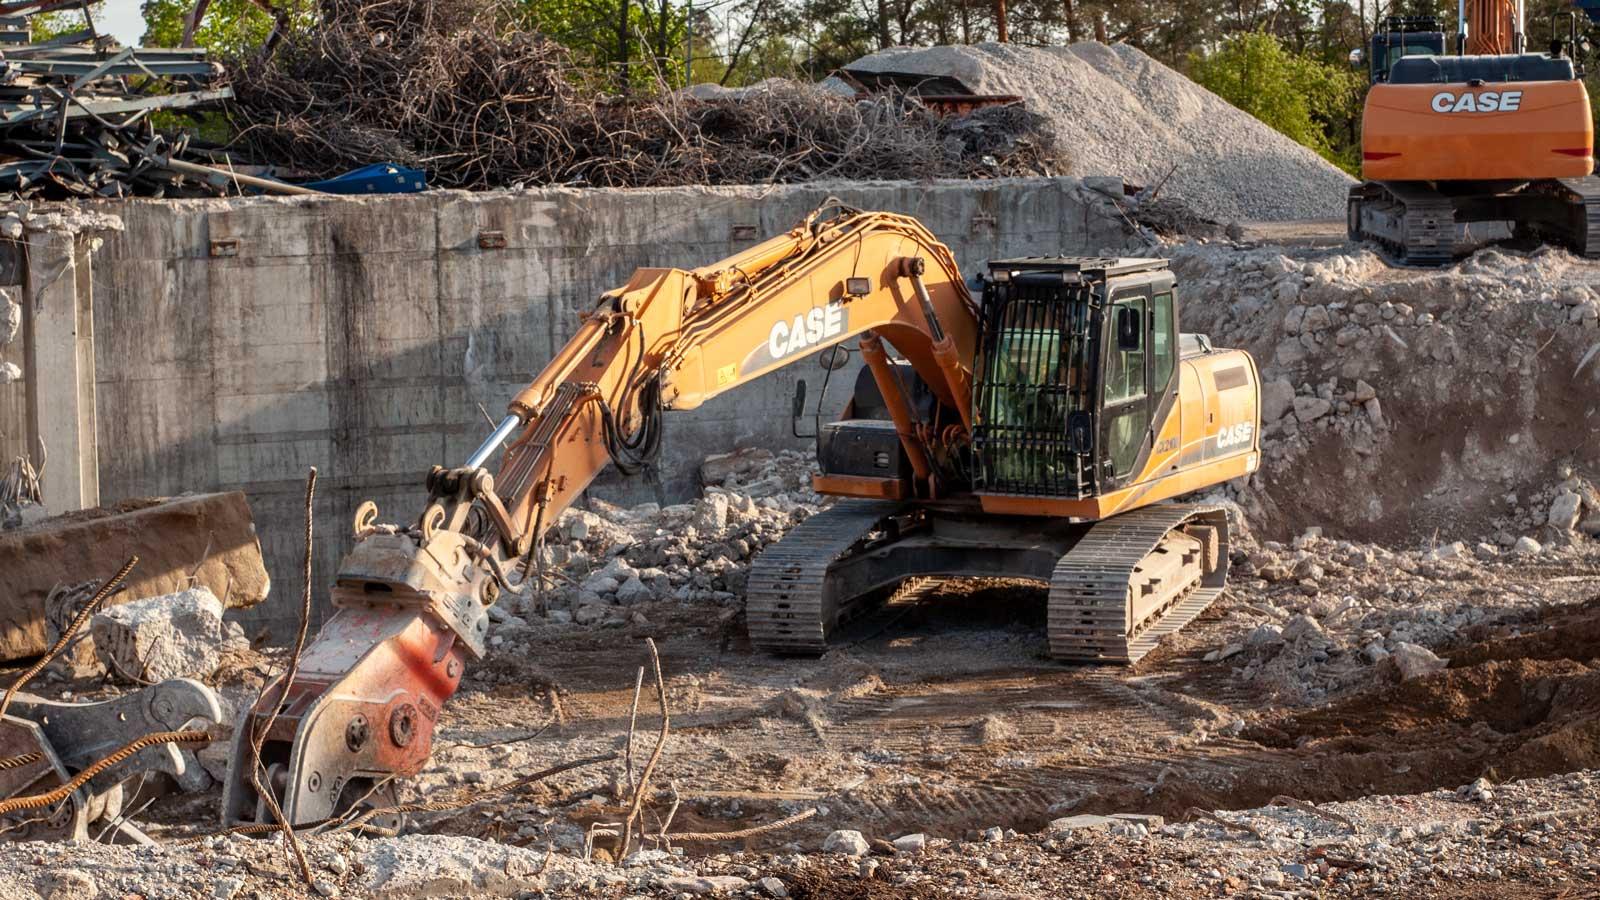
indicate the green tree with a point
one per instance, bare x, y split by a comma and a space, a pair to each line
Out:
230, 28
1309, 100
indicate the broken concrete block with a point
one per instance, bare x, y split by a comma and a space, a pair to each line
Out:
1309, 409
1079, 823
911, 843
633, 592
1564, 511
10, 317
1415, 661
700, 885
711, 514
850, 843
173, 636
1148, 820
1277, 398
720, 467
210, 537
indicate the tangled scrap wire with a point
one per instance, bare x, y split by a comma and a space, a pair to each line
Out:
454, 87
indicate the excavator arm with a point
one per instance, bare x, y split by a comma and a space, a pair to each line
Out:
412, 601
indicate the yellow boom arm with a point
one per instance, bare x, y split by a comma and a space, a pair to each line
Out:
674, 338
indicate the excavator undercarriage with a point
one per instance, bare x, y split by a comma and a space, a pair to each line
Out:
1115, 587
1415, 222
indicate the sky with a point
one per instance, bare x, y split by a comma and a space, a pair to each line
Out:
122, 19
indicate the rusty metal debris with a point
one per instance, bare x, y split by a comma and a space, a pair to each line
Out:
69, 765
77, 111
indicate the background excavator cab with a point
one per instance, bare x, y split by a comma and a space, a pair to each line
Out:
1401, 36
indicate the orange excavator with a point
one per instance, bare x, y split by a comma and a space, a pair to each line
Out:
1492, 134
1031, 430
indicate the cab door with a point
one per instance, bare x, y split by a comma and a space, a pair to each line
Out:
1138, 366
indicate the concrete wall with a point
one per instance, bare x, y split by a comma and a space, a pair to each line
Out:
239, 342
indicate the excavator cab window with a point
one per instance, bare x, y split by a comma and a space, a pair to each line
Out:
1034, 378
1402, 36
1163, 342
1125, 386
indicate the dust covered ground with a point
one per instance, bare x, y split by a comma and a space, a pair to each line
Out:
1398, 695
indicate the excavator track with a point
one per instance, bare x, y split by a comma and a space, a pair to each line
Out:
1579, 230
788, 607
1412, 222
1135, 578
1416, 224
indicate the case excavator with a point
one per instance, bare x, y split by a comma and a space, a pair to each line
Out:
1035, 427
1491, 134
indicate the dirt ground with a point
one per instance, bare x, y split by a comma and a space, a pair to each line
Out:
945, 716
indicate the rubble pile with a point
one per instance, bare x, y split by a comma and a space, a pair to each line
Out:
1326, 617
1538, 831
613, 559
1404, 405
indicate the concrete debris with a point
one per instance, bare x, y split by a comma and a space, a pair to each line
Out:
10, 316
1414, 661
686, 553
1346, 346
911, 843
1565, 510
850, 843
1082, 822
202, 540
173, 636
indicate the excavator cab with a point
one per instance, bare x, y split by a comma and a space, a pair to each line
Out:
1401, 36
1078, 356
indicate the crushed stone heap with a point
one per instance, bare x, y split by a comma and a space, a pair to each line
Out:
1117, 111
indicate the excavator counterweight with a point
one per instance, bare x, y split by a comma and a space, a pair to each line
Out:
1034, 431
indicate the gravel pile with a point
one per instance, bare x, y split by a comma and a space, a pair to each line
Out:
1116, 111
1327, 617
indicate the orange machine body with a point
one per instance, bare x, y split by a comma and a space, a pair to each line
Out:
1516, 131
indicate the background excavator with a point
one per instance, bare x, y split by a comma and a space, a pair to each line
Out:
1493, 133
1029, 432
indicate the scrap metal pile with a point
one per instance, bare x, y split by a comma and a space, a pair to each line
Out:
458, 88
76, 114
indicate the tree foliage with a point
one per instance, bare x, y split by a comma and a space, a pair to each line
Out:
1281, 60
230, 27
1293, 92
